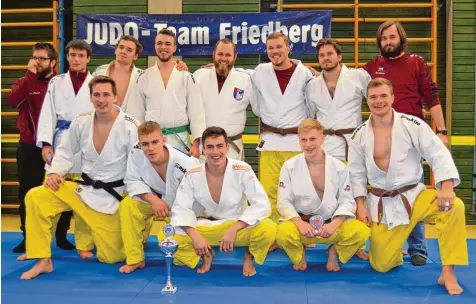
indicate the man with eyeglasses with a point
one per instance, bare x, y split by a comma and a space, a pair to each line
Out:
27, 96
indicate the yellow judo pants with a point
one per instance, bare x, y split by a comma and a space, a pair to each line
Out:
347, 239
258, 239
136, 220
43, 205
270, 164
386, 245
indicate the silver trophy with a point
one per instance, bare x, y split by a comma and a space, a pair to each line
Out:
316, 221
168, 247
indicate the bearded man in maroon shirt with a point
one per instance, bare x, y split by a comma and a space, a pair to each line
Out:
412, 86
27, 97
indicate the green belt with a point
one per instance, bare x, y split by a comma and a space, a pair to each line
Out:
178, 130
175, 130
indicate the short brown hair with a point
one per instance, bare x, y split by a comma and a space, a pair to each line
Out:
139, 47
102, 79
79, 44
214, 132
225, 41
328, 41
168, 33
400, 30
377, 82
48, 47
309, 124
277, 35
148, 127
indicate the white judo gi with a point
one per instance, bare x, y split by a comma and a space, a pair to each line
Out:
137, 215
283, 112
396, 211
227, 108
60, 106
240, 186
95, 205
341, 114
176, 107
103, 70
297, 197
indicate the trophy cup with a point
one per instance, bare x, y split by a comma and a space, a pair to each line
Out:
168, 247
316, 221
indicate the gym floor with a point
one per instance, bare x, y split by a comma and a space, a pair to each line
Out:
77, 281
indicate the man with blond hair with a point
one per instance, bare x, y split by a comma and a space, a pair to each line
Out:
280, 104
314, 183
385, 152
154, 172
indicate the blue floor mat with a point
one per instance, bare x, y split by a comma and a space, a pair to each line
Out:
77, 281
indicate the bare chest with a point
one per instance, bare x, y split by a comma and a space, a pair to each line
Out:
122, 84
215, 186
318, 179
100, 136
382, 148
165, 73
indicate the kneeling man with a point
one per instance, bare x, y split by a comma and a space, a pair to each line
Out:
316, 183
386, 152
234, 206
103, 137
154, 172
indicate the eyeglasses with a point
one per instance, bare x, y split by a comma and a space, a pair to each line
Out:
40, 58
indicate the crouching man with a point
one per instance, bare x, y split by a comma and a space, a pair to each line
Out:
316, 183
219, 192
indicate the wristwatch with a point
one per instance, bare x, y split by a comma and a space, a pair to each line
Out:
444, 132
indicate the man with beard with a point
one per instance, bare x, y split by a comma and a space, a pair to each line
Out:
122, 70
412, 85
280, 103
226, 93
170, 97
335, 97
27, 96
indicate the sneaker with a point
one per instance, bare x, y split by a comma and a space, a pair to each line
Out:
418, 260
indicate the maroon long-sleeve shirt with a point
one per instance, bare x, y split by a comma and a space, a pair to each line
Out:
411, 81
27, 96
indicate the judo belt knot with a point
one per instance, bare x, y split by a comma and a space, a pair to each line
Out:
381, 193
98, 184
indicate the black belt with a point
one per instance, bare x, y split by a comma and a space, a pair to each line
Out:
156, 193
97, 184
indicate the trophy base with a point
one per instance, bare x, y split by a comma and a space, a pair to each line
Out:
169, 290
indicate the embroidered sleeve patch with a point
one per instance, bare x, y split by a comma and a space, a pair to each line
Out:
193, 170
240, 167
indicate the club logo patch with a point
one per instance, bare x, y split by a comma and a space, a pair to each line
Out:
238, 94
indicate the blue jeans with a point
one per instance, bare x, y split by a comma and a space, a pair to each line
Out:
417, 241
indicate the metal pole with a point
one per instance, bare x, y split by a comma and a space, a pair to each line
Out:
473, 207
61, 36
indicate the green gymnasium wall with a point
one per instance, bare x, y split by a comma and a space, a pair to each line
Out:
463, 65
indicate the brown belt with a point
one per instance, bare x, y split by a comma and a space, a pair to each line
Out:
233, 138
282, 132
381, 193
341, 132
307, 217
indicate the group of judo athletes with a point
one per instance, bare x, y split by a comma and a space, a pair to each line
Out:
279, 94
221, 203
